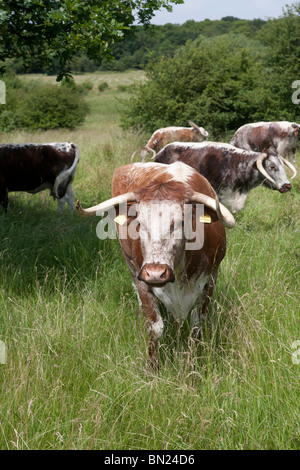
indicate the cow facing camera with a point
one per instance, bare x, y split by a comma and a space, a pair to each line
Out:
160, 224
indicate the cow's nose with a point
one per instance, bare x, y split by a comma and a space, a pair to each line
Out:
156, 274
285, 187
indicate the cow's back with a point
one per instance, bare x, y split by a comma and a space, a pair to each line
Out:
27, 166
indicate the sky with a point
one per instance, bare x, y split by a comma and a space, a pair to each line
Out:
199, 10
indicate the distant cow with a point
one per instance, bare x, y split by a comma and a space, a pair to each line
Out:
162, 267
232, 172
161, 137
281, 136
35, 167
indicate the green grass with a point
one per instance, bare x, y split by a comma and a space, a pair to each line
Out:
75, 376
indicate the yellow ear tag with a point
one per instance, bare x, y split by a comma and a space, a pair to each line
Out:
120, 219
205, 219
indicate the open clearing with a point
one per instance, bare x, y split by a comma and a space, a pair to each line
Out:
76, 347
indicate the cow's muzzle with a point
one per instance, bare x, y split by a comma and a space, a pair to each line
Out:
285, 188
156, 275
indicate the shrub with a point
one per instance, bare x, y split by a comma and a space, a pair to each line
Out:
35, 105
219, 83
85, 86
123, 88
103, 86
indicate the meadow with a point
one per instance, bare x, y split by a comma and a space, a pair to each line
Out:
76, 347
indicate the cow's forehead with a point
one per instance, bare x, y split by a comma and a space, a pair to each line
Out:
178, 171
275, 160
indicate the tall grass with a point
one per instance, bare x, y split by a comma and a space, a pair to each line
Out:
76, 346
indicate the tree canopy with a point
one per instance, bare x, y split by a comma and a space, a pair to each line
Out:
40, 31
224, 81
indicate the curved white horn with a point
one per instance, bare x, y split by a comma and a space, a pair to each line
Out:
153, 153
133, 155
260, 167
143, 154
105, 205
200, 129
192, 124
223, 213
287, 163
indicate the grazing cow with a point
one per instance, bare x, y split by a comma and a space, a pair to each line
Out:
232, 172
161, 137
162, 266
280, 136
35, 167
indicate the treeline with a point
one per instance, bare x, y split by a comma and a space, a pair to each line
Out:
223, 81
155, 41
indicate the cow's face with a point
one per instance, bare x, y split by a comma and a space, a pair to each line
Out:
275, 168
162, 240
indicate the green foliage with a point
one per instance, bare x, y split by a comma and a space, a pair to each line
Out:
103, 86
40, 31
215, 82
35, 105
222, 82
283, 38
165, 40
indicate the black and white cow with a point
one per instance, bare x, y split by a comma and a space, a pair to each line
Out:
34, 167
231, 171
281, 136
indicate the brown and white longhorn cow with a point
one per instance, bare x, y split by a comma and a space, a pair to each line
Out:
162, 265
281, 136
231, 171
35, 167
166, 135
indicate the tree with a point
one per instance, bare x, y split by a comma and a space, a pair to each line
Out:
40, 31
219, 83
282, 35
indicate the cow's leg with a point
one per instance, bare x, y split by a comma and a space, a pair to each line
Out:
154, 322
61, 204
198, 315
4, 197
68, 198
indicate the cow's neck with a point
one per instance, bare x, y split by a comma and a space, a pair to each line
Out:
242, 176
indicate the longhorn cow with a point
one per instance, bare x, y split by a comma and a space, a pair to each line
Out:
164, 268
231, 171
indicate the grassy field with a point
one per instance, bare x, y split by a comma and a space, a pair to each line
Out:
76, 346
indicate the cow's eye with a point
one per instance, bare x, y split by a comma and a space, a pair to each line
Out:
273, 168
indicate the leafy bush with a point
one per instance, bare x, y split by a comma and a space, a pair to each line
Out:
34, 105
219, 83
103, 86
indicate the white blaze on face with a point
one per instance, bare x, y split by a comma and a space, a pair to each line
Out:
161, 231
